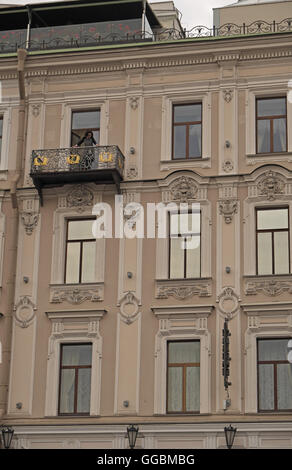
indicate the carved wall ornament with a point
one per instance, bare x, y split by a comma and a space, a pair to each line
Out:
36, 109
227, 95
80, 197
228, 208
228, 302
227, 166
271, 185
134, 101
129, 307
131, 218
183, 189
132, 172
75, 295
269, 287
30, 221
183, 292
24, 311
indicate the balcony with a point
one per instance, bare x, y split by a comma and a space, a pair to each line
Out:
56, 167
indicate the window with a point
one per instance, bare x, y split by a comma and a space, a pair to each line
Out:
187, 131
80, 252
274, 375
271, 116
83, 121
273, 251
183, 377
1, 133
185, 245
75, 379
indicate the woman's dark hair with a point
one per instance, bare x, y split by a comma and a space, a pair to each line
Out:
88, 132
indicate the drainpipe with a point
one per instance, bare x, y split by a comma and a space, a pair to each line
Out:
22, 53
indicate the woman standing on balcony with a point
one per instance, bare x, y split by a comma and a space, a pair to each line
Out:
86, 156
87, 141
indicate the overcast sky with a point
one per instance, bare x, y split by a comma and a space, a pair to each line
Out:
194, 12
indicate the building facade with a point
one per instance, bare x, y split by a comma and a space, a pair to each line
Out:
100, 333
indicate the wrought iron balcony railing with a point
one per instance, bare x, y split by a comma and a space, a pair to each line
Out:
92, 34
98, 164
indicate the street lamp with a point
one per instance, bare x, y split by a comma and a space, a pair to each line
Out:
229, 435
7, 435
132, 432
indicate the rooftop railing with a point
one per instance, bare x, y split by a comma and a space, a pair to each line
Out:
75, 36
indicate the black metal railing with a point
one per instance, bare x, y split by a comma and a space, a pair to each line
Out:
77, 160
54, 38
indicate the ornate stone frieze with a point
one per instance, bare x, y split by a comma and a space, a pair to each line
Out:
30, 221
227, 95
76, 295
182, 290
80, 197
129, 307
271, 185
228, 208
24, 311
270, 287
228, 302
183, 189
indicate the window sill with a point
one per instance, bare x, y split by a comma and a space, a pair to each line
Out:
276, 157
269, 284
201, 162
182, 289
76, 293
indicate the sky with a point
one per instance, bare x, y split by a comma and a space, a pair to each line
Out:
194, 12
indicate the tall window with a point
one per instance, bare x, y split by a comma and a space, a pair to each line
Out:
75, 378
274, 375
273, 255
185, 246
1, 133
271, 125
83, 121
80, 252
187, 131
183, 377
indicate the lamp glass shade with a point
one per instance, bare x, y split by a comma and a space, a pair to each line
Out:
229, 435
7, 435
132, 432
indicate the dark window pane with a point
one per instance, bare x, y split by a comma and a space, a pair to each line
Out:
67, 391
273, 349
284, 386
281, 252
86, 119
174, 386
193, 389
183, 352
179, 142
265, 253
83, 391
80, 229
266, 386
1, 126
76, 355
271, 107
272, 219
72, 263
195, 147
188, 113
279, 129
264, 136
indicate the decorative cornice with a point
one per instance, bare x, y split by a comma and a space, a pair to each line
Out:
171, 311
270, 286
76, 295
182, 289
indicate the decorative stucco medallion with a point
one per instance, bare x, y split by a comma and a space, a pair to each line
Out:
271, 185
129, 307
183, 189
24, 311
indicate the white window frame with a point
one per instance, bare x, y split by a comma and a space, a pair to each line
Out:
250, 119
182, 324
70, 107
168, 102
5, 113
67, 328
